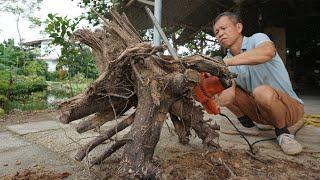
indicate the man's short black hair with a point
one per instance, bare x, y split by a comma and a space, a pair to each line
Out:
235, 18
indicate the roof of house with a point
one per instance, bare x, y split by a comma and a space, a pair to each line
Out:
196, 15
35, 42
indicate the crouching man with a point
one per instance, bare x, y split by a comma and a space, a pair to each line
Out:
262, 92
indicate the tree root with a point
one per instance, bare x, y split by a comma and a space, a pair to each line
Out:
104, 136
182, 128
100, 118
117, 145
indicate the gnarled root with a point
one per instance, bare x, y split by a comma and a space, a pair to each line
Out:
187, 111
103, 137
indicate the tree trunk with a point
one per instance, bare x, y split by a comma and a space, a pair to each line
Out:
144, 135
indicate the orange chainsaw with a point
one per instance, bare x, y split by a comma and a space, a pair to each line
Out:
207, 88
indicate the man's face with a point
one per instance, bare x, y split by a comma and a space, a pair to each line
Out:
226, 31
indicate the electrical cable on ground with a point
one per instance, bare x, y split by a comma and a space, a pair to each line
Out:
249, 144
242, 135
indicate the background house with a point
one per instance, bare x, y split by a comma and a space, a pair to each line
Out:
48, 53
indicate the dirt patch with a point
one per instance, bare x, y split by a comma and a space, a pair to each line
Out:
236, 164
29, 174
233, 164
19, 117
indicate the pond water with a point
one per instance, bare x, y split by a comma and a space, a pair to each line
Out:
55, 94
53, 99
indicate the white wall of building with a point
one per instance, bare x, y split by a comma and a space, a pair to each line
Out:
50, 54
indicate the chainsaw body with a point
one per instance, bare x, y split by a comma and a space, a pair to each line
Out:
206, 90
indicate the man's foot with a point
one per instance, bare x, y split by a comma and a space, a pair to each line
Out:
288, 144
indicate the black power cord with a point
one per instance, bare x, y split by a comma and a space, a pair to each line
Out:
242, 135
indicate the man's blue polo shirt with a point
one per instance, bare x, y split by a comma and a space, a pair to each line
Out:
271, 73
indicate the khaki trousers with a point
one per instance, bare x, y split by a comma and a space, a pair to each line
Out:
284, 111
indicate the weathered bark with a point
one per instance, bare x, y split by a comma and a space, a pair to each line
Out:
117, 145
145, 133
96, 121
182, 128
96, 98
186, 109
118, 109
84, 107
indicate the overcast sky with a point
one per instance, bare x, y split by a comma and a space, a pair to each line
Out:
61, 7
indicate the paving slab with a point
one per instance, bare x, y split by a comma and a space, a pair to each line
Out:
9, 141
37, 157
62, 140
309, 137
33, 127
67, 141
311, 104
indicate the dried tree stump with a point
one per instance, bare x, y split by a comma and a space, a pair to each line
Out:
133, 75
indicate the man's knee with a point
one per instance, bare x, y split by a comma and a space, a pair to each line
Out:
264, 94
227, 97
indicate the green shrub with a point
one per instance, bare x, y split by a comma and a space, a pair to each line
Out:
3, 101
52, 76
1, 112
35, 101
38, 68
79, 78
25, 85
4, 82
15, 58
19, 85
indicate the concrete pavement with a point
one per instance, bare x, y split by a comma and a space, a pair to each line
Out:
52, 145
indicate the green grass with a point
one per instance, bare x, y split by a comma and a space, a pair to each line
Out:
64, 87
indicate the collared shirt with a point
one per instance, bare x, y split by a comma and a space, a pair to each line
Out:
272, 72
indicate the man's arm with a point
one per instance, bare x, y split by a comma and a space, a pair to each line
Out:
228, 95
261, 54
